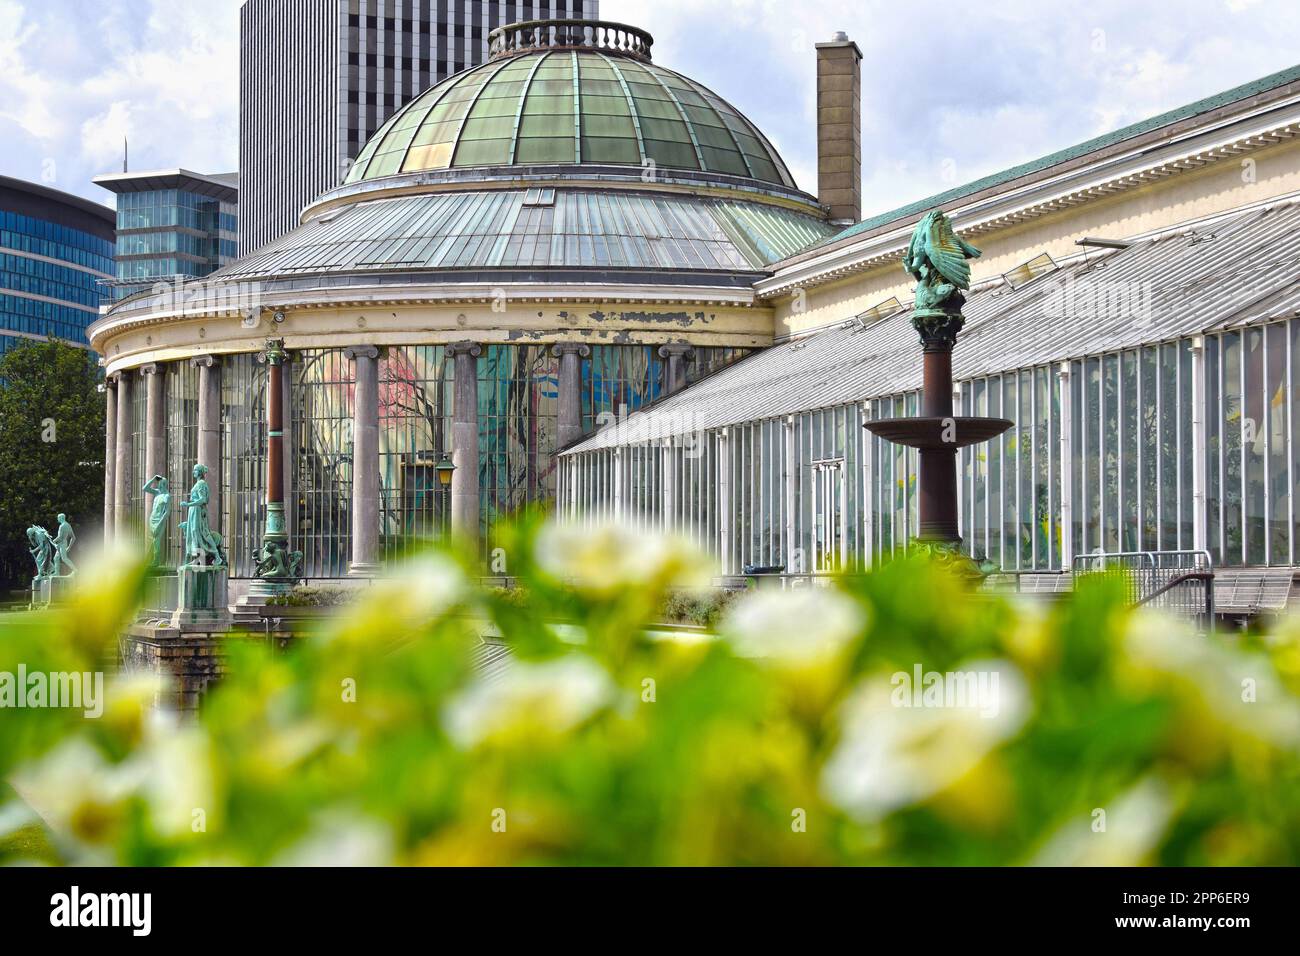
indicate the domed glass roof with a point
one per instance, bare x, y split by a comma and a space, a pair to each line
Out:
570, 103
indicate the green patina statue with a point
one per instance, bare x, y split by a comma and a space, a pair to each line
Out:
937, 258
41, 546
202, 544
158, 514
276, 561
64, 539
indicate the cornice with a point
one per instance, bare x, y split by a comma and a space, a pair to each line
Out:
104, 329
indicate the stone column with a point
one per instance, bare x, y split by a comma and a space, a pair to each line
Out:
110, 454
209, 367
464, 440
155, 417
365, 460
568, 427
676, 353
122, 472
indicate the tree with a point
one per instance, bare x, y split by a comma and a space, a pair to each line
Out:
51, 448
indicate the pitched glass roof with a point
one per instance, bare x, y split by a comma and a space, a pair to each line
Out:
1239, 271
549, 227
569, 106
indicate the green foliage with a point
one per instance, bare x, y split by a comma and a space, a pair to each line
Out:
308, 596
50, 391
700, 608
783, 740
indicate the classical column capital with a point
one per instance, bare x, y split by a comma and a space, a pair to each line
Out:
110, 381
150, 369
204, 361
581, 349
676, 350
354, 352
464, 348
274, 353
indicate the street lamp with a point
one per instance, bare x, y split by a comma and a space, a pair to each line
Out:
445, 468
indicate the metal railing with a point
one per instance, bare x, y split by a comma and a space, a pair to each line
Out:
1181, 582
602, 35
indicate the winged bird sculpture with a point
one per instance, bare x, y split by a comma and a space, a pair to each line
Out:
938, 259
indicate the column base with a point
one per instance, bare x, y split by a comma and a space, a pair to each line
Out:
365, 569
265, 588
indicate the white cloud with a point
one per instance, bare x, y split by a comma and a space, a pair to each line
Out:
948, 94
75, 78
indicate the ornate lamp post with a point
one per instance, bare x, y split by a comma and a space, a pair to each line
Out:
445, 469
278, 568
937, 258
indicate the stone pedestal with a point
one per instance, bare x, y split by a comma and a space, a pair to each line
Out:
47, 591
159, 593
201, 596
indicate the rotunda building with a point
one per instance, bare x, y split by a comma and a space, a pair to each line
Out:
565, 233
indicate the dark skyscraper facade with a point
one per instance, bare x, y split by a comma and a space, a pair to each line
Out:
318, 77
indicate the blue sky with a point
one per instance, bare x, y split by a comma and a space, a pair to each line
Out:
951, 91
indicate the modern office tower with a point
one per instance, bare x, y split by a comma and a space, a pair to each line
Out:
55, 251
171, 224
318, 77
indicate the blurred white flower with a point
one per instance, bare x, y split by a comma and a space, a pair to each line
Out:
529, 701
604, 559
1133, 826
1241, 690
179, 778
79, 794
426, 586
420, 591
892, 756
796, 627
341, 838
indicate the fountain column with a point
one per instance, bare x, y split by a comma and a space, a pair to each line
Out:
278, 568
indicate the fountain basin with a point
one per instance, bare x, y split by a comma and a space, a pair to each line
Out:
956, 431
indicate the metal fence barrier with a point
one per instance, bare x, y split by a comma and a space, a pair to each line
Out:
1181, 582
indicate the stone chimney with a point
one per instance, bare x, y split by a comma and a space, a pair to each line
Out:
839, 128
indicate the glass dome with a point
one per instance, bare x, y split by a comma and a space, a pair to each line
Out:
570, 92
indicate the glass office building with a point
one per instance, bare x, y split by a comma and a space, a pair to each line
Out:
171, 225
56, 250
